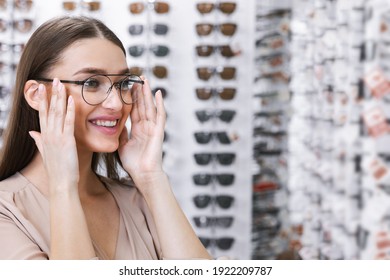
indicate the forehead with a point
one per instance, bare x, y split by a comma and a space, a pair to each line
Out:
98, 53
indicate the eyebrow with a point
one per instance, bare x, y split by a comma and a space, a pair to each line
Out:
92, 70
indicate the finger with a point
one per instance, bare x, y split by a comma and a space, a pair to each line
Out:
69, 117
124, 137
150, 108
134, 114
61, 106
36, 136
51, 123
161, 113
42, 107
141, 104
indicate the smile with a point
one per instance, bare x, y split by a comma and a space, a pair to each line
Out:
105, 123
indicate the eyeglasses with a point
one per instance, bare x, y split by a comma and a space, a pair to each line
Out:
205, 29
207, 50
206, 221
226, 73
224, 115
223, 243
222, 158
204, 200
158, 29
4, 47
88, 5
158, 6
223, 93
21, 25
204, 179
224, 7
205, 137
96, 88
158, 50
158, 71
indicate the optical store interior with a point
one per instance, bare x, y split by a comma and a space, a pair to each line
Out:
277, 137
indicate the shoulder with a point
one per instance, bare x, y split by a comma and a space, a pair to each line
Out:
13, 184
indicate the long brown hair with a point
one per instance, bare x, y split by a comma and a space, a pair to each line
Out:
41, 53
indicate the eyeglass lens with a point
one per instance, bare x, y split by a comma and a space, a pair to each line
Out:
226, 73
224, 7
205, 137
223, 93
206, 221
159, 7
223, 201
204, 179
158, 50
205, 29
96, 89
158, 28
223, 243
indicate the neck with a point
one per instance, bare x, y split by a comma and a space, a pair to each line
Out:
89, 183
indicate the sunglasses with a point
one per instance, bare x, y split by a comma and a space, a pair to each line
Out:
21, 25
224, 115
224, 7
223, 93
204, 200
205, 137
88, 5
207, 50
158, 6
159, 71
221, 158
206, 221
205, 29
226, 73
223, 243
158, 29
158, 50
23, 5
204, 179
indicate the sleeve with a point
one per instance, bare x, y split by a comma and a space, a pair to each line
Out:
15, 244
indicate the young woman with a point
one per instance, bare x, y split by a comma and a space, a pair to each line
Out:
72, 97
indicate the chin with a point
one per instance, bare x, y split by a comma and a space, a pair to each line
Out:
105, 147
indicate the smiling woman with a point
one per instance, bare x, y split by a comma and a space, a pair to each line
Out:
72, 97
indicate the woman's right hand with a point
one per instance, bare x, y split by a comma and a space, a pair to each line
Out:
56, 142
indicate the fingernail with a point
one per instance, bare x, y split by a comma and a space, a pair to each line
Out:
70, 99
55, 82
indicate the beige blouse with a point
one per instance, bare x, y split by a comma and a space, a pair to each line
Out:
25, 228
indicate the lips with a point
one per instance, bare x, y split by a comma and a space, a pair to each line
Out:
106, 124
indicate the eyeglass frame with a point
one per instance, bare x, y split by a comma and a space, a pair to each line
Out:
81, 83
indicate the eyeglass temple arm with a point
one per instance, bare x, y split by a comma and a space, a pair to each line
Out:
62, 81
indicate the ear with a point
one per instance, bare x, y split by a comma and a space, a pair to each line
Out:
31, 94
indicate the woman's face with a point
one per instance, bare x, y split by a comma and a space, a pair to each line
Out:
97, 128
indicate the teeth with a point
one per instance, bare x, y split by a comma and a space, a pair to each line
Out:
105, 123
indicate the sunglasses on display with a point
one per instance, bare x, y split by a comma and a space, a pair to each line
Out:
223, 243
225, 7
6, 67
158, 29
21, 25
206, 137
224, 115
226, 73
4, 91
158, 50
223, 93
91, 6
221, 158
205, 29
206, 221
158, 71
204, 200
204, 179
158, 6
208, 50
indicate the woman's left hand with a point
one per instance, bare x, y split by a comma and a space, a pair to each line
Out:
141, 154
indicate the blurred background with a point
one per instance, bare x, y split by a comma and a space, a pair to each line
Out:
277, 136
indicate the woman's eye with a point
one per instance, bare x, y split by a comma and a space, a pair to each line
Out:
91, 83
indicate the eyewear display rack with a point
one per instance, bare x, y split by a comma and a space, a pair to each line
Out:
338, 134
271, 107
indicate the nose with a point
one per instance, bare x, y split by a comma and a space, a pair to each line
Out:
113, 100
